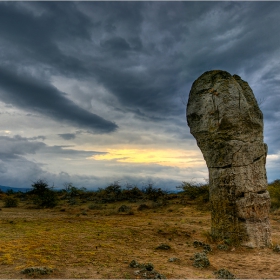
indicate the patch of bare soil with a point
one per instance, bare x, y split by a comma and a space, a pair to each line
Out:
77, 242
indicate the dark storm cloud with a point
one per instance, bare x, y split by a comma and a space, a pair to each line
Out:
38, 137
67, 136
37, 37
115, 44
42, 42
182, 40
37, 96
17, 147
146, 55
13, 147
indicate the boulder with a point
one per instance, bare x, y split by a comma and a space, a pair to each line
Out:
227, 123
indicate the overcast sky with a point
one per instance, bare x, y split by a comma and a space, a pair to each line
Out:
96, 92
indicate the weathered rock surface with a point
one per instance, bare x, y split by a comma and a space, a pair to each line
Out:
224, 117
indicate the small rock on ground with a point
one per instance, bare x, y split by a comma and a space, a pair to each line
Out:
37, 270
224, 274
276, 248
173, 259
200, 260
163, 247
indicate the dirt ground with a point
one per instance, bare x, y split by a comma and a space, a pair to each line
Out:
76, 242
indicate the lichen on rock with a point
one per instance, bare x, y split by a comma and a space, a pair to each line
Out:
224, 117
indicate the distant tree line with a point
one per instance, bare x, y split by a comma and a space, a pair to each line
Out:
44, 196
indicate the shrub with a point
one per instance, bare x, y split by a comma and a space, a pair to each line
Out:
206, 247
10, 201
39, 187
195, 191
33, 271
47, 199
200, 260
9, 191
134, 264
131, 193
110, 194
153, 193
274, 191
94, 206
143, 207
146, 270
114, 188
73, 191
223, 247
72, 201
44, 196
124, 208
224, 274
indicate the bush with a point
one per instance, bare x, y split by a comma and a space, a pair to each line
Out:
195, 191
153, 193
73, 191
124, 208
34, 271
274, 191
94, 206
143, 207
205, 246
200, 260
44, 196
224, 274
10, 191
114, 192
132, 193
10, 202
111, 193
48, 199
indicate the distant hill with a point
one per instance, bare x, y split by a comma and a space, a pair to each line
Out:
5, 189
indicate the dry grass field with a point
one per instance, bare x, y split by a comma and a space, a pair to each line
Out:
79, 242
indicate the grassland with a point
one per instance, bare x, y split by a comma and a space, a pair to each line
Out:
98, 241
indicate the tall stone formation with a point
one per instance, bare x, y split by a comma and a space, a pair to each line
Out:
224, 117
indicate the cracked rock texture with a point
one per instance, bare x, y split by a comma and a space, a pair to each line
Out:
224, 117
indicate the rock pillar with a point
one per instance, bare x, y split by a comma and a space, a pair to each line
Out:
224, 117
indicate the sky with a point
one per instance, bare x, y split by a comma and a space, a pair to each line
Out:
94, 93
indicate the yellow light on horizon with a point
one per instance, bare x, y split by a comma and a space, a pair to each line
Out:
169, 157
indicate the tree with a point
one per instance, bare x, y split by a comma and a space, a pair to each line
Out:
44, 196
39, 187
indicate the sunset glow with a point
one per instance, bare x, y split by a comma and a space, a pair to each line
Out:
175, 158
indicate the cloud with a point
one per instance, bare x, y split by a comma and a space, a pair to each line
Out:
68, 136
122, 67
35, 160
17, 146
115, 44
13, 147
29, 93
38, 137
37, 37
